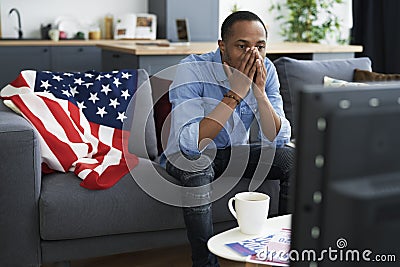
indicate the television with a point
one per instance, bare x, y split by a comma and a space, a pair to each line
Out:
347, 186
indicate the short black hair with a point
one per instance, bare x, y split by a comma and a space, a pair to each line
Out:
238, 16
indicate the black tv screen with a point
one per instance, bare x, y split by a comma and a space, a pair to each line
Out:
347, 188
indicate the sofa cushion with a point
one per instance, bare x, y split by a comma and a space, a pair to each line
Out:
69, 211
331, 82
295, 74
142, 141
370, 76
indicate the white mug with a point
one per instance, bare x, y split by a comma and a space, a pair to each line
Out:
54, 34
251, 211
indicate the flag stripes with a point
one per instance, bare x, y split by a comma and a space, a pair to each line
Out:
77, 131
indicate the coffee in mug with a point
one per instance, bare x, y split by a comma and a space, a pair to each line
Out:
251, 211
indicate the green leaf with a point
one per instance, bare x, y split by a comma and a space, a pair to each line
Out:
301, 22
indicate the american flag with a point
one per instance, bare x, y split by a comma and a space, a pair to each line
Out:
79, 119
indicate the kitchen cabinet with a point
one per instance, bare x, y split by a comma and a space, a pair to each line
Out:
15, 59
53, 58
113, 60
75, 58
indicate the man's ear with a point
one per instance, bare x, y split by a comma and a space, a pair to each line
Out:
221, 45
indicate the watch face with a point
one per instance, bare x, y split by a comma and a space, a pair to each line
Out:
182, 30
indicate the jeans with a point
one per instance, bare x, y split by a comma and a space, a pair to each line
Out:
198, 219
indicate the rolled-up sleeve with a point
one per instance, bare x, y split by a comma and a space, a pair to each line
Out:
187, 112
189, 139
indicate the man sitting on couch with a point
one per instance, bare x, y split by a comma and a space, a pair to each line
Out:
215, 98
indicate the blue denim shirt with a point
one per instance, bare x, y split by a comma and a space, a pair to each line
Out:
198, 87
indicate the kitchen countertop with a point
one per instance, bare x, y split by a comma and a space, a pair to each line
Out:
38, 42
162, 47
204, 47
159, 47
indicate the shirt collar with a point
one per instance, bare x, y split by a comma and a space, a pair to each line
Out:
218, 68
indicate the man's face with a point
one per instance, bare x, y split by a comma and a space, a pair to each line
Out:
244, 34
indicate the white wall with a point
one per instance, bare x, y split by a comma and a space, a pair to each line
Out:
261, 8
36, 12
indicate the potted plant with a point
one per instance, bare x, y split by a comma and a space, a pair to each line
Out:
308, 21
235, 8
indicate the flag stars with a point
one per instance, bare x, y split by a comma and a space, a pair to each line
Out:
101, 96
78, 81
125, 94
73, 91
114, 103
126, 75
87, 85
66, 92
105, 89
116, 82
121, 116
58, 78
81, 105
93, 97
45, 84
101, 111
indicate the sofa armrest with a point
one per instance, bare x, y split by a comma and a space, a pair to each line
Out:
20, 180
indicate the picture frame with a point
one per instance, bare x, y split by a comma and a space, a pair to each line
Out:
182, 30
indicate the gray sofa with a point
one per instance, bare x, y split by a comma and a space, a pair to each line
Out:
51, 218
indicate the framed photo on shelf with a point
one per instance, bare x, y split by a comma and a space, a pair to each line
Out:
182, 30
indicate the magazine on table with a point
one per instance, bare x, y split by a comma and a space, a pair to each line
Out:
271, 248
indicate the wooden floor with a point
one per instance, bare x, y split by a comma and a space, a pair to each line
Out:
168, 257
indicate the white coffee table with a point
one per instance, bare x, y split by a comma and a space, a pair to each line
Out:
216, 244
